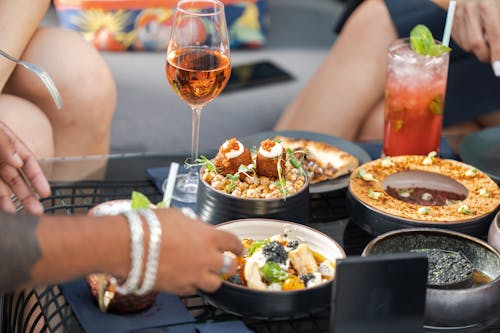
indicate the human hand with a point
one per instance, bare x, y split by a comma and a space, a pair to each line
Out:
476, 28
20, 174
191, 255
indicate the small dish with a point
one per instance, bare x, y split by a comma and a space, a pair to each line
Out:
253, 303
494, 232
451, 307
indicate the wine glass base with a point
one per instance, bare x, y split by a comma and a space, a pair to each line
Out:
185, 188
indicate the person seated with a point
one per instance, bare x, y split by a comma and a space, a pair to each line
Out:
345, 97
37, 249
82, 126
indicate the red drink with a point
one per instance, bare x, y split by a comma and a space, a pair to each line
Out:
414, 101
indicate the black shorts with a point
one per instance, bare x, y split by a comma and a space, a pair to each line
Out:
473, 89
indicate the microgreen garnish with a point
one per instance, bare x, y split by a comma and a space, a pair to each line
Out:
429, 159
281, 183
256, 245
484, 192
422, 42
242, 169
386, 162
365, 175
273, 273
464, 210
423, 210
374, 195
202, 161
471, 172
292, 158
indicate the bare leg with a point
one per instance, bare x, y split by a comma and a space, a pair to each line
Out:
350, 82
29, 123
372, 127
82, 127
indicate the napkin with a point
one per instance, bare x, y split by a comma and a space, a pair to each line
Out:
167, 310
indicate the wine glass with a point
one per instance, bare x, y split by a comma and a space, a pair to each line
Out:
198, 68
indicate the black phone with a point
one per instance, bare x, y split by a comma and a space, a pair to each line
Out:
255, 74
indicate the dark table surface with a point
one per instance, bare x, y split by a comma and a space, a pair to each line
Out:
80, 183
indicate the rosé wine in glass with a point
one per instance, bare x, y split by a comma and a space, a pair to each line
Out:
414, 100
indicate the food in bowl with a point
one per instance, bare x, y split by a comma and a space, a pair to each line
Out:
448, 269
270, 173
280, 263
256, 303
320, 160
450, 307
454, 191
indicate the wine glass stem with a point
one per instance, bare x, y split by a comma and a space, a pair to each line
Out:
195, 140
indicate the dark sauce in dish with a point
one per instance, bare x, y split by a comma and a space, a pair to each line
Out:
425, 196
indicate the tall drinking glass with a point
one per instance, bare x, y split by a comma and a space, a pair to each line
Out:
198, 68
414, 100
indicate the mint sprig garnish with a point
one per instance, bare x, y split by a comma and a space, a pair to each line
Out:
422, 42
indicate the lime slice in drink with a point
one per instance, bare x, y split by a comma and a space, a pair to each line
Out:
422, 42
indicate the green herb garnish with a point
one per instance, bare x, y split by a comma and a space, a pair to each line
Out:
139, 201
422, 42
273, 273
256, 245
202, 161
436, 106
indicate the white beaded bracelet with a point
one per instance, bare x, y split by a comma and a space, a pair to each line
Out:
136, 254
153, 251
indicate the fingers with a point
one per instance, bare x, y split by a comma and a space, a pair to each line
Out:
490, 13
8, 153
229, 242
475, 33
15, 181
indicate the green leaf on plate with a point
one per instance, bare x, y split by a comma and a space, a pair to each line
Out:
140, 201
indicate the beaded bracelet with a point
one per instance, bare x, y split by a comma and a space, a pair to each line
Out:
153, 251
136, 254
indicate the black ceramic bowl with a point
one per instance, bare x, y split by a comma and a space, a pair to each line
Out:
387, 213
450, 307
247, 302
215, 206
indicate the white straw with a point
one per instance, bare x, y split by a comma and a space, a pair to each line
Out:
169, 188
449, 23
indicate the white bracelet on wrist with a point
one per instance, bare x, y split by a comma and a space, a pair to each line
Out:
151, 266
136, 254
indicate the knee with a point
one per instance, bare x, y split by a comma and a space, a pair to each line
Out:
82, 76
29, 123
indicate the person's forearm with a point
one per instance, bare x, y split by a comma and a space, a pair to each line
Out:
18, 21
52, 249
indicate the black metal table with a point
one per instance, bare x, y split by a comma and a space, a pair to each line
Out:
80, 183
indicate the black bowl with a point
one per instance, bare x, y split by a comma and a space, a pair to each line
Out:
450, 307
247, 302
215, 207
375, 220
